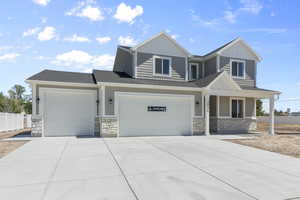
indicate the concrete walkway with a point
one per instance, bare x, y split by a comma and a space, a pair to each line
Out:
160, 168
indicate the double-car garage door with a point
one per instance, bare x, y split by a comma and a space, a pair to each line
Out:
154, 114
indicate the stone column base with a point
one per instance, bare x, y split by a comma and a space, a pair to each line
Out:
37, 126
106, 126
198, 126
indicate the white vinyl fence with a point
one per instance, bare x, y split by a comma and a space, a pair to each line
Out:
281, 119
14, 121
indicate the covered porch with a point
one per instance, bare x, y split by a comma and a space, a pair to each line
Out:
231, 108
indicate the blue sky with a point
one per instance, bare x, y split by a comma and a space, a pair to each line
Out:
79, 35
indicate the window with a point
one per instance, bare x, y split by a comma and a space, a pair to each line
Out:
162, 66
194, 71
237, 108
238, 69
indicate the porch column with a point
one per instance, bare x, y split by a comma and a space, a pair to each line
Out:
206, 98
271, 115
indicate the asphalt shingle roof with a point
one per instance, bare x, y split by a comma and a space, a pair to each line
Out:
62, 76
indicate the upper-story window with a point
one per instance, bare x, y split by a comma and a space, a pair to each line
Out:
194, 71
238, 68
162, 66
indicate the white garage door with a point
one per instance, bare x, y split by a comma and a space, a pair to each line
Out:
154, 115
68, 112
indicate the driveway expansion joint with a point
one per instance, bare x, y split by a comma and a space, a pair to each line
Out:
202, 170
121, 170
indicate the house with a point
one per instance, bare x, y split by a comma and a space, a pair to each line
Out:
156, 88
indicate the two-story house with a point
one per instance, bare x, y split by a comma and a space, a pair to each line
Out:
156, 88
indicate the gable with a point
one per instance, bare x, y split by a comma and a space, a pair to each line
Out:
223, 82
162, 45
239, 50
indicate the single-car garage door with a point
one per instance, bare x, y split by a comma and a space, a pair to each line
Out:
68, 112
154, 114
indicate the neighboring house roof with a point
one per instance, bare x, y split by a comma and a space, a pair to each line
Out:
62, 76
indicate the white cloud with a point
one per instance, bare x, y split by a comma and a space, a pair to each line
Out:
251, 6
30, 32
105, 61
9, 56
83, 60
127, 14
103, 40
175, 36
47, 34
191, 40
230, 17
202, 22
76, 38
74, 57
126, 41
41, 2
86, 9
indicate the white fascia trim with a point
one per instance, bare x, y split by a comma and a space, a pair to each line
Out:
162, 58
230, 80
61, 83
168, 36
218, 63
128, 50
129, 85
259, 58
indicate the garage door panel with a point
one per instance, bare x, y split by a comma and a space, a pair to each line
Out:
69, 113
136, 120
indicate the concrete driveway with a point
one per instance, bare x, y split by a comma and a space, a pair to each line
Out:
158, 168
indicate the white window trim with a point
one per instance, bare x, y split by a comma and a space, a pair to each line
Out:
241, 61
190, 71
170, 66
244, 109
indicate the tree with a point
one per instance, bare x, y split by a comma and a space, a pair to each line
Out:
17, 92
17, 101
259, 108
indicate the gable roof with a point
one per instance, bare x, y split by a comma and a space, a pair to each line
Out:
62, 76
231, 43
168, 37
228, 79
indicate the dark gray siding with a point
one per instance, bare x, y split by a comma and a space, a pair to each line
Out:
250, 78
124, 62
213, 106
145, 67
210, 66
110, 94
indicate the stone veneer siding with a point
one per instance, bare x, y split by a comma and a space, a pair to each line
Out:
107, 126
198, 126
229, 125
37, 126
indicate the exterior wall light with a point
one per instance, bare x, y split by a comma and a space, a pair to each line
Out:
197, 103
110, 100
38, 99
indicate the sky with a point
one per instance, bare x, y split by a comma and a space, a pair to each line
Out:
77, 35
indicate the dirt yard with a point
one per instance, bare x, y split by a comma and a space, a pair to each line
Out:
280, 128
8, 146
287, 140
